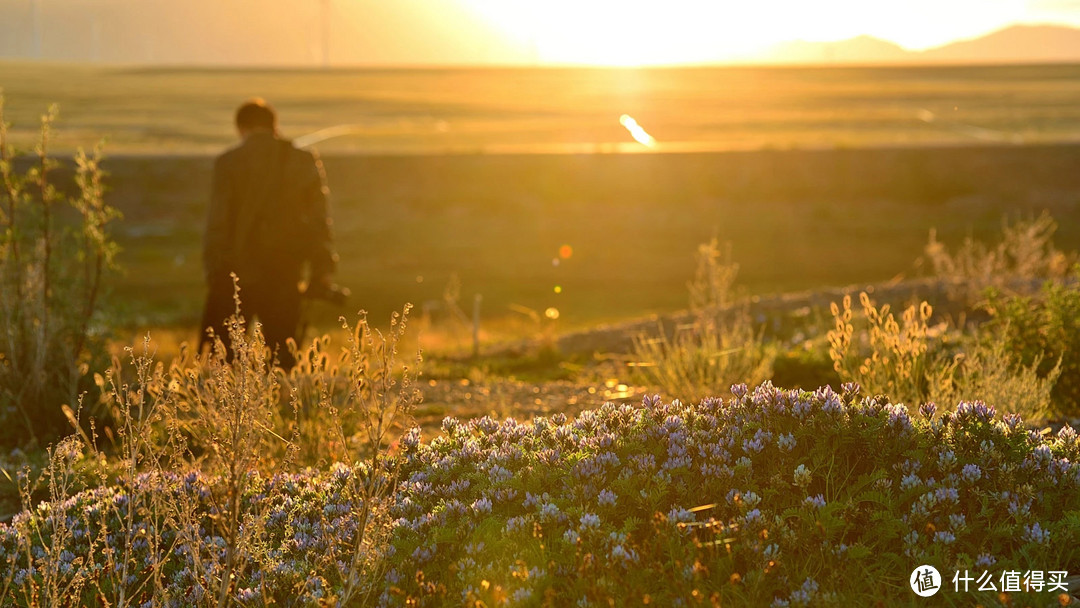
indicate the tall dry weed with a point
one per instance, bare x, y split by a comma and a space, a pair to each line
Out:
198, 457
718, 348
913, 362
1024, 253
883, 355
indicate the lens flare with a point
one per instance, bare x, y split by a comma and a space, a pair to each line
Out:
552, 313
636, 131
558, 289
566, 251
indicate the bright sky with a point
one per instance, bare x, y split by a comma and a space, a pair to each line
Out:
632, 32
433, 32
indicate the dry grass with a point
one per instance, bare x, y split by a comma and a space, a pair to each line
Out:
883, 355
912, 361
719, 348
226, 422
1024, 254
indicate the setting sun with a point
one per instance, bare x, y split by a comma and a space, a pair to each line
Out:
621, 34
616, 33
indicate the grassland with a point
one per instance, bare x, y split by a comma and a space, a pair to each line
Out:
186, 110
796, 220
812, 493
417, 201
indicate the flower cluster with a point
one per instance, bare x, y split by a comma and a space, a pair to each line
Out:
774, 477
304, 518
733, 501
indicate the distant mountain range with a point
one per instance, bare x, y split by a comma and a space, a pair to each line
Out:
1016, 44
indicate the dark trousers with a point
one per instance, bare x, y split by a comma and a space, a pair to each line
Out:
275, 303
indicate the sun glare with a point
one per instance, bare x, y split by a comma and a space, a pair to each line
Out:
620, 33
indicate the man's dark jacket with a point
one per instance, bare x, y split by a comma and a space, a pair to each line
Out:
268, 215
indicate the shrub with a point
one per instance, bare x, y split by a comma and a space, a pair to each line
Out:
1025, 252
1043, 331
52, 277
702, 357
987, 369
912, 362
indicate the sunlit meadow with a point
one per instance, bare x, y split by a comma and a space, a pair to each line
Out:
737, 449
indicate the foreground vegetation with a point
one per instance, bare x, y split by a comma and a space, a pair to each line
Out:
772, 496
199, 480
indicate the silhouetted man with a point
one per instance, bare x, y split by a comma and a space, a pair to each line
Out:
267, 222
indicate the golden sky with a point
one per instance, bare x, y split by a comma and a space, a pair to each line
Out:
632, 32
532, 32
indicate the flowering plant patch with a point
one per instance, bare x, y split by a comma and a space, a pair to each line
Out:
304, 523
773, 496
770, 497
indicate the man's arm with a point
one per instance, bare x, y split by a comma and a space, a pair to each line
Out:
217, 243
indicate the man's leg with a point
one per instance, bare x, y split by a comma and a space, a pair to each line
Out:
216, 312
279, 312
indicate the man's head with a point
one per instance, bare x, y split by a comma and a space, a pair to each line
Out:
255, 115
